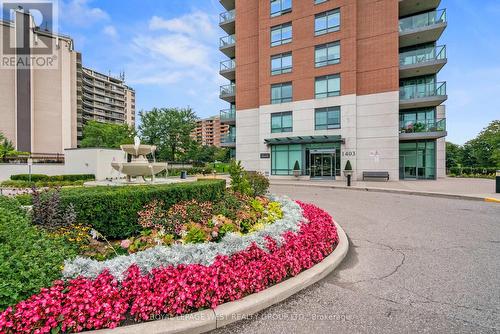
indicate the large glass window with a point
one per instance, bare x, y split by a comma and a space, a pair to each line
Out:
281, 93
283, 158
281, 63
319, 1
281, 122
327, 22
281, 34
280, 7
327, 54
417, 160
327, 118
327, 86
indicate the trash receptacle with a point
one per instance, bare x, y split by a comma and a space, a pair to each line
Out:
183, 174
498, 181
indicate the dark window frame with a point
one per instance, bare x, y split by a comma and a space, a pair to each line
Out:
282, 99
282, 11
282, 70
281, 129
282, 41
327, 125
326, 46
327, 29
328, 92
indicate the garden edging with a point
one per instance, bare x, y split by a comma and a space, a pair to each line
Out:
225, 314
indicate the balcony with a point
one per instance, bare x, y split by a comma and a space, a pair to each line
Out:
228, 69
228, 140
422, 28
227, 21
422, 95
227, 46
228, 4
424, 129
228, 116
426, 61
409, 7
228, 93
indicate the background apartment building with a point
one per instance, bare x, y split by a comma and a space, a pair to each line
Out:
321, 82
43, 110
210, 131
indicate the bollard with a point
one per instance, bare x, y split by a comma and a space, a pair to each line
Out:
498, 181
183, 174
349, 180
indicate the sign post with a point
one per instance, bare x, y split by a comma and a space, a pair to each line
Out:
30, 164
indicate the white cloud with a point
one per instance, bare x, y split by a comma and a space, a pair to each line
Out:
110, 31
81, 13
196, 24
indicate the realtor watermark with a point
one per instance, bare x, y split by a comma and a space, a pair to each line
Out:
29, 34
266, 316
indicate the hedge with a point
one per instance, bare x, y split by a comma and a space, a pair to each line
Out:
52, 178
113, 210
29, 259
472, 170
28, 184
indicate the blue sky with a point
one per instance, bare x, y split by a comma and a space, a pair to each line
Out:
169, 52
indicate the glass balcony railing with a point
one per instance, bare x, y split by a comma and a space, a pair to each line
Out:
422, 20
227, 16
227, 115
419, 56
227, 41
228, 90
418, 91
428, 125
229, 138
227, 65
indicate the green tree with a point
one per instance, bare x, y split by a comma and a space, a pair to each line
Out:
6, 147
207, 153
170, 130
97, 134
454, 154
484, 150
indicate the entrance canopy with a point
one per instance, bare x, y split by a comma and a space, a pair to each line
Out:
304, 140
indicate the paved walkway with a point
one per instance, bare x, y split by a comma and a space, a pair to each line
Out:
416, 265
478, 188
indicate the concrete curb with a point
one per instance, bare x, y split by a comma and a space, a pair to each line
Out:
391, 190
225, 314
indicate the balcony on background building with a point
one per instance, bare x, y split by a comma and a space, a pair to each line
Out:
228, 93
424, 61
228, 69
227, 21
422, 129
227, 45
228, 140
422, 95
422, 28
228, 116
409, 7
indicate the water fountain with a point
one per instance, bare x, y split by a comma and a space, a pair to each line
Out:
139, 166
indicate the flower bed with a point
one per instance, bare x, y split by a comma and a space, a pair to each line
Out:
182, 286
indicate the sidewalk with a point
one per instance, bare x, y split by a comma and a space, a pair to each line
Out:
463, 188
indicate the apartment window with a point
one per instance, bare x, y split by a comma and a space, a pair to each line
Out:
281, 63
319, 1
281, 34
280, 7
281, 122
281, 93
327, 118
327, 22
327, 54
327, 86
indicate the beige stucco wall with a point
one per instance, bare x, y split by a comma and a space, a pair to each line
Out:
95, 161
7, 96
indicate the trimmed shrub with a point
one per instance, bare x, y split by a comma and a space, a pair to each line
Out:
52, 178
113, 211
29, 259
51, 184
259, 184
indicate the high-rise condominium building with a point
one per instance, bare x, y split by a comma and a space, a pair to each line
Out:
42, 109
323, 82
209, 131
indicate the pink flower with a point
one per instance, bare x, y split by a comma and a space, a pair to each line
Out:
125, 244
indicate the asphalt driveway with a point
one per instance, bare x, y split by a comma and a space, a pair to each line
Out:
415, 264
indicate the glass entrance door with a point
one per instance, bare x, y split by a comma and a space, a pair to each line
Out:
322, 165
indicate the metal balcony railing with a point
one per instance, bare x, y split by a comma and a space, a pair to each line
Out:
422, 20
227, 41
227, 16
228, 90
423, 55
417, 91
428, 125
227, 65
229, 138
227, 115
